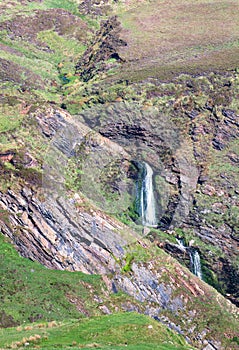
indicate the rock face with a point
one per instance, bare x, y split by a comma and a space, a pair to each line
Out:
104, 48
186, 195
65, 231
59, 235
57, 226
195, 161
148, 136
157, 284
75, 177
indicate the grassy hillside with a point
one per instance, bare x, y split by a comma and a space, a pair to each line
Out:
61, 309
61, 303
106, 332
190, 36
30, 292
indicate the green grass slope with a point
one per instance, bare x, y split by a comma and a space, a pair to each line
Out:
60, 309
30, 292
106, 332
60, 302
40, 43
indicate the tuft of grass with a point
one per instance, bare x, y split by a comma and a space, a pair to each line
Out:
68, 5
64, 47
9, 122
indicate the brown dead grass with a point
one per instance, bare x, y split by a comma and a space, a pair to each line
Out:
166, 36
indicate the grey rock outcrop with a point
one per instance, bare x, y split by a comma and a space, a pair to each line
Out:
63, 229
60, 236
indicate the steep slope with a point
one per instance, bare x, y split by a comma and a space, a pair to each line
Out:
153, 282
188, 131
65, 230
69, 178
61, 303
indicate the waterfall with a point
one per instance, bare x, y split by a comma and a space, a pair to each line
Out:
195, 262
181, 243
147, 200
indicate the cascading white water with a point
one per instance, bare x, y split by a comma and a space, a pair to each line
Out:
194, 256
147, 200
181, 243
195, 263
